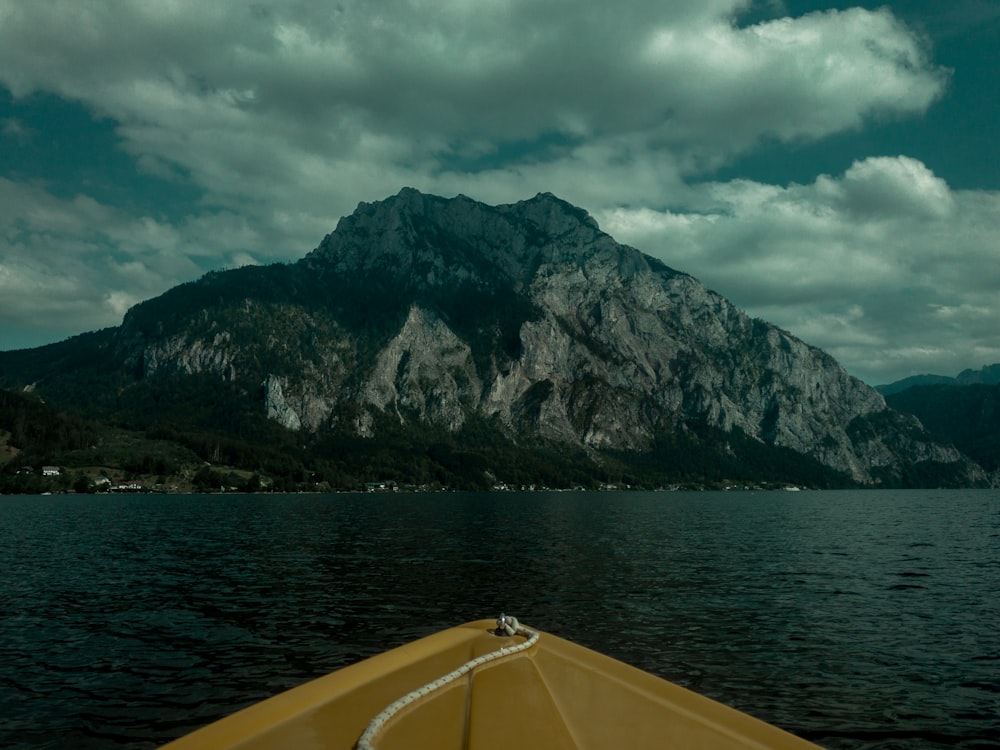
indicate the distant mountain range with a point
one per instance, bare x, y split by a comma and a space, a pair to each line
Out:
964, 410
987, 375
445, 342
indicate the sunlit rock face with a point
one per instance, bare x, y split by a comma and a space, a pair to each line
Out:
432, 310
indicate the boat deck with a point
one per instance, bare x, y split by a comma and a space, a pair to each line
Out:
555, 695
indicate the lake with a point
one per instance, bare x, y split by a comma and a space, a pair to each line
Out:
856, 619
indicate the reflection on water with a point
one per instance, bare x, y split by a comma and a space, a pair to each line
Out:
855, 619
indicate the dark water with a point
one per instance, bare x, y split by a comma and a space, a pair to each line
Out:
855, 619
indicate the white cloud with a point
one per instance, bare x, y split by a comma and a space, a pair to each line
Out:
789, 79
890, 188
67, 266
243, 96
887, 292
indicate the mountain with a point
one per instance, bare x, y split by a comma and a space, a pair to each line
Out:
914, 380
476, 339
987, 375
963, 410
967, 416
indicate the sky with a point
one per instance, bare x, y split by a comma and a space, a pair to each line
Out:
830, 167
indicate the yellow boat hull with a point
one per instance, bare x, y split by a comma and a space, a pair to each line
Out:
554, 695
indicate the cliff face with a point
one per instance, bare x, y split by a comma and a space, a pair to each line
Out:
433, 310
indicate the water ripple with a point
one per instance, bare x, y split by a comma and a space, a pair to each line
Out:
856, 619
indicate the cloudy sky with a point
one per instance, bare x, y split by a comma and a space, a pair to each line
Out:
831, 167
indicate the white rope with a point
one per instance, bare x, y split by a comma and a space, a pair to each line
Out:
508, 625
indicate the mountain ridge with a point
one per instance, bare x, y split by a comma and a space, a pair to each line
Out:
449, 313
986, 375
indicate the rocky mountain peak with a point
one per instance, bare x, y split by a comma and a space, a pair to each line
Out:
438, 313
439, 237
571, 337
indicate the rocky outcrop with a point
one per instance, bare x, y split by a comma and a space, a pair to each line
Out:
425, 372
295, 405
186, 355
